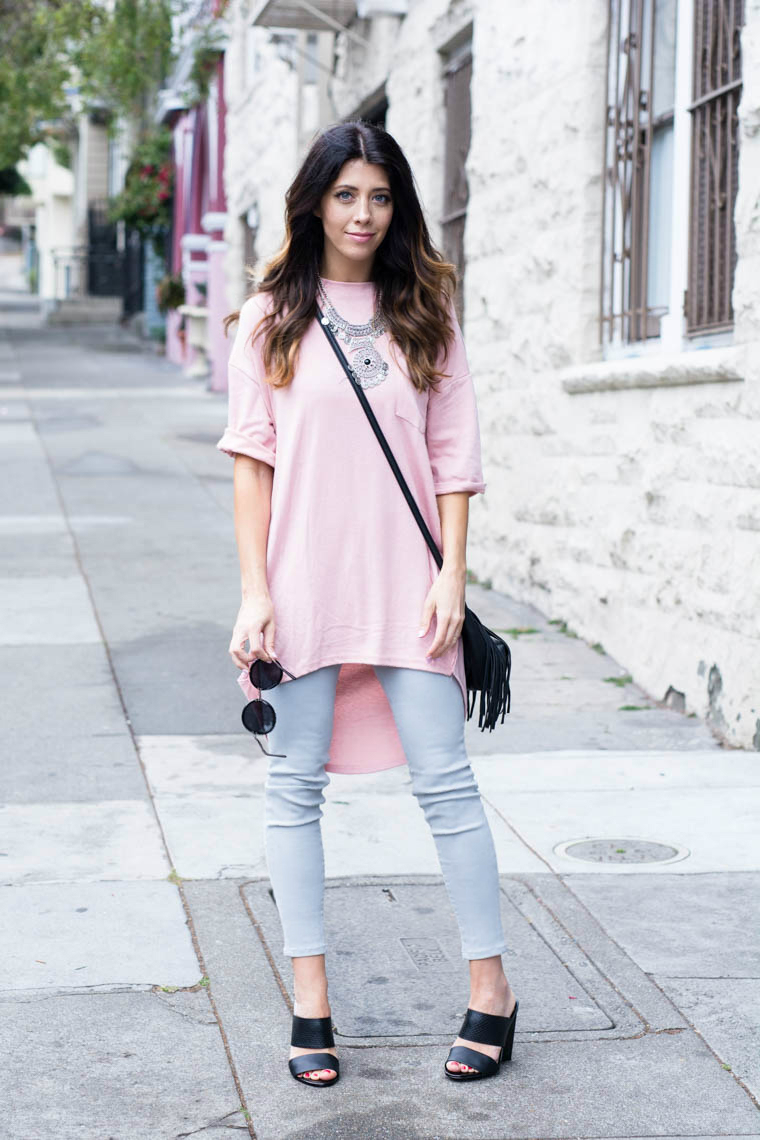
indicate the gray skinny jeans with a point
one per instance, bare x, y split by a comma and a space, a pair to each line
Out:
427, 709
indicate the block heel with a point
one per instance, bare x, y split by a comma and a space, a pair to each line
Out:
507, 1047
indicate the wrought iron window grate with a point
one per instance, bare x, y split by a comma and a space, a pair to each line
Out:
638, 205
714, 164
627, 165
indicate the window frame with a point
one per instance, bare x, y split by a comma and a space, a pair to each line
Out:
673, 334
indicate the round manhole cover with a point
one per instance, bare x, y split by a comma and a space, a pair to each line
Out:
621, 851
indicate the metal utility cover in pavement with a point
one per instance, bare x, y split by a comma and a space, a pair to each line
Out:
396, 969
620, 851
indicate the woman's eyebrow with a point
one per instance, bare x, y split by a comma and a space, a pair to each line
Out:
348, 186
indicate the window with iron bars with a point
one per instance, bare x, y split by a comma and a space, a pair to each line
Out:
670, 169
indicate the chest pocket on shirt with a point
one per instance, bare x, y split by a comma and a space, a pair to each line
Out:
411, 405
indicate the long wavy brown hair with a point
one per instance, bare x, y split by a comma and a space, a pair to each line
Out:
414, 284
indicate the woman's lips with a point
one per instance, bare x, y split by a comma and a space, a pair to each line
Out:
360, 237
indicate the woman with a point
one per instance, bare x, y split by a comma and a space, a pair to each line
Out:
335, 572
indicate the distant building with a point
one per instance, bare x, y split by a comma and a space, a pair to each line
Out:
195, 335
49, 218
80, 268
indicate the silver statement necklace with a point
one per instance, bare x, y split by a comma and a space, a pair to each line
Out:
369, 367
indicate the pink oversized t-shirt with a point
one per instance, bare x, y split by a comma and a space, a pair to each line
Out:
347, 566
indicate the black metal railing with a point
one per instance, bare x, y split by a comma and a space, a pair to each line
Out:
82, 272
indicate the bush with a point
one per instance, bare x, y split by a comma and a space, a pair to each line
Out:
145, 203
170, 292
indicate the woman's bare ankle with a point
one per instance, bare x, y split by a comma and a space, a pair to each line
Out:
310, 986
493, 993
310, 998
311, 1005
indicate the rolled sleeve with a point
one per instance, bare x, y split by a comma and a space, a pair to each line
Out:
251, 426
453, 430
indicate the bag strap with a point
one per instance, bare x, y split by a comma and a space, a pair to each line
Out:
324, 323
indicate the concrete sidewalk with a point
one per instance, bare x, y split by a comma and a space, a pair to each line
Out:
145, 994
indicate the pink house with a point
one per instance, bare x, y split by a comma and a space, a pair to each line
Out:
195, 338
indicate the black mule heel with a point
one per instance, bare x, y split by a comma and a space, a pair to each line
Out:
313, 1033
486, 1029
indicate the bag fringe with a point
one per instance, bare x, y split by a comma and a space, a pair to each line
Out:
495, 693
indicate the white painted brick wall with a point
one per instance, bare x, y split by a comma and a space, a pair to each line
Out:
630, 514
261, 142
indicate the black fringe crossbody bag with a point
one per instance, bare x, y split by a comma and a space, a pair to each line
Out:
487, 659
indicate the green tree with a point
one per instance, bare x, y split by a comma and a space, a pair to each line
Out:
12, 184
126, 56
36, 41
113, 57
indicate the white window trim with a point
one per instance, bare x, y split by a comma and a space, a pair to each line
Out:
715, 365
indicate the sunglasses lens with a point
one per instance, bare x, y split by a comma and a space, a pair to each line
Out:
264, 674
258, 717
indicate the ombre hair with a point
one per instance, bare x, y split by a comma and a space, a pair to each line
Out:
414, 284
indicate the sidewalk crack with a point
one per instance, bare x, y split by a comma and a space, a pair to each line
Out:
218, 1123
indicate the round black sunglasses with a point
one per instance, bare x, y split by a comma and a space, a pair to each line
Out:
259, 716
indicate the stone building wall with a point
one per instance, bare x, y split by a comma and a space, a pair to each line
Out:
271, 121
260, 151
622, 497
632, 512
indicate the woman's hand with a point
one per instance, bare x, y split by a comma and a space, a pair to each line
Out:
446, 600
256, 616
